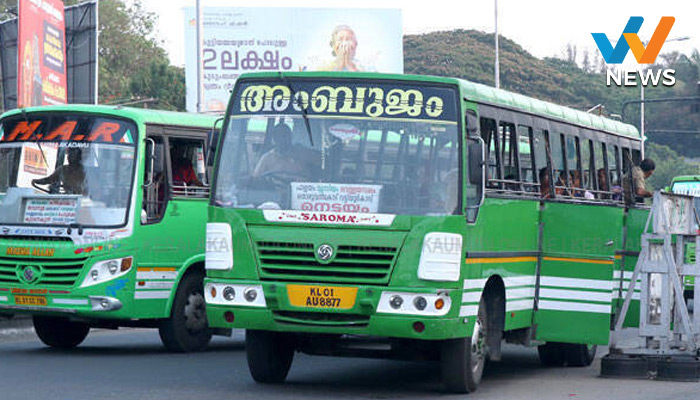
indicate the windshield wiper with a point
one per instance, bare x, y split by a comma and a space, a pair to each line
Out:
303, 109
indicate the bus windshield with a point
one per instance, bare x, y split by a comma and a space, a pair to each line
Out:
65, 170
326, 158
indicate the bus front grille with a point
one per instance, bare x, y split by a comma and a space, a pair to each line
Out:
53, 272
351, 264
321, 319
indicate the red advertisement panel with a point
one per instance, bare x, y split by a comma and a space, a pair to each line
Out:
42, 53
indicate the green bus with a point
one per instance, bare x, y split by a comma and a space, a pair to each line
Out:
416, 217
102, 221
690, 185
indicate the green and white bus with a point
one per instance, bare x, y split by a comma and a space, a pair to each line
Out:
690, 185
416, 217
102, 221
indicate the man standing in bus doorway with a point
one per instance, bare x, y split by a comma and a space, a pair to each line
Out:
640, 174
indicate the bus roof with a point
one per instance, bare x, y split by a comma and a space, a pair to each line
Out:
483, 94
146, 116
685, 178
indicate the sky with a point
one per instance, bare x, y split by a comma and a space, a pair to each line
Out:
543, 27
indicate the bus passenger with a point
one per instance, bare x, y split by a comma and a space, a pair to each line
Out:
70, 176
183, 173
282, 158
640, 174
545, 186
577, 187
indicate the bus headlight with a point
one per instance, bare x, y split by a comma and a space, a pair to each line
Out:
102, 271
441, 257
219, 253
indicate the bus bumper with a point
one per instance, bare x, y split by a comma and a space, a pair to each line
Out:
369, 314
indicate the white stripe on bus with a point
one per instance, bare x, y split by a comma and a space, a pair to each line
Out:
573, 306
519, 305
74, 302
575, 295
3, 298
576, 283
152, 294
468, 311
142, 275
519, 281
155, 285
520, 293
474, 284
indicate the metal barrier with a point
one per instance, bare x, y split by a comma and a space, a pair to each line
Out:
669, 335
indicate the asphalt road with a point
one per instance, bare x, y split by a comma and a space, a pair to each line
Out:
131, 364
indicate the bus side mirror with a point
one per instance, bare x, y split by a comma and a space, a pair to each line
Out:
471, 122
475, 154
150, 159
213, 142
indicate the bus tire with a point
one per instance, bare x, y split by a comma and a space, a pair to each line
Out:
552, 354
462, 360
580, 355
187, 329
269, 354
59, 332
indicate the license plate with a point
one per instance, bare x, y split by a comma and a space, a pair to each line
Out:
333, 297
31, 300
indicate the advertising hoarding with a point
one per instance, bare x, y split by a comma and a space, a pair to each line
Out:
41, 53
239, 40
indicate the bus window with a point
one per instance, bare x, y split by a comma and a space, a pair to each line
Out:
614, 167
509, 156
187, 167
587, 166
488, 132
559, 173
155, 188
573, 164
603, 186
527, 163
541, 148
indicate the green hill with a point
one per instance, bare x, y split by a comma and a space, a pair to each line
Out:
469, 54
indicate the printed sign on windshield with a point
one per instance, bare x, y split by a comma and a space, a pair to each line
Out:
335, 197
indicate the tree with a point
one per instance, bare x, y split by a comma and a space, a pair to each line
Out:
668, 165
133, 64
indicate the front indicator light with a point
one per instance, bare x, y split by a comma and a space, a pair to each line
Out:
213, 291
439, 304
127, 263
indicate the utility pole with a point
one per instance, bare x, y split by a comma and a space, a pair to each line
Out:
497, 78
200, 57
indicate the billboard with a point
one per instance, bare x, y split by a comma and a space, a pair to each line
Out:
238, 40
81, 56
42, 56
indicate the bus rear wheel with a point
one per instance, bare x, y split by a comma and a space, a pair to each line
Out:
187, 328
580, 355
269, 354
552, 354
60, 333
463, 360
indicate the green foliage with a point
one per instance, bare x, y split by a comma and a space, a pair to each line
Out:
668, 165
133, 64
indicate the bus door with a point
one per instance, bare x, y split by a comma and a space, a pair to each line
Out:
578, 242
173, 213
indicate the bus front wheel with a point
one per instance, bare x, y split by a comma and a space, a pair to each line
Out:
187, 329
463, 360
59, 332
269, 354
